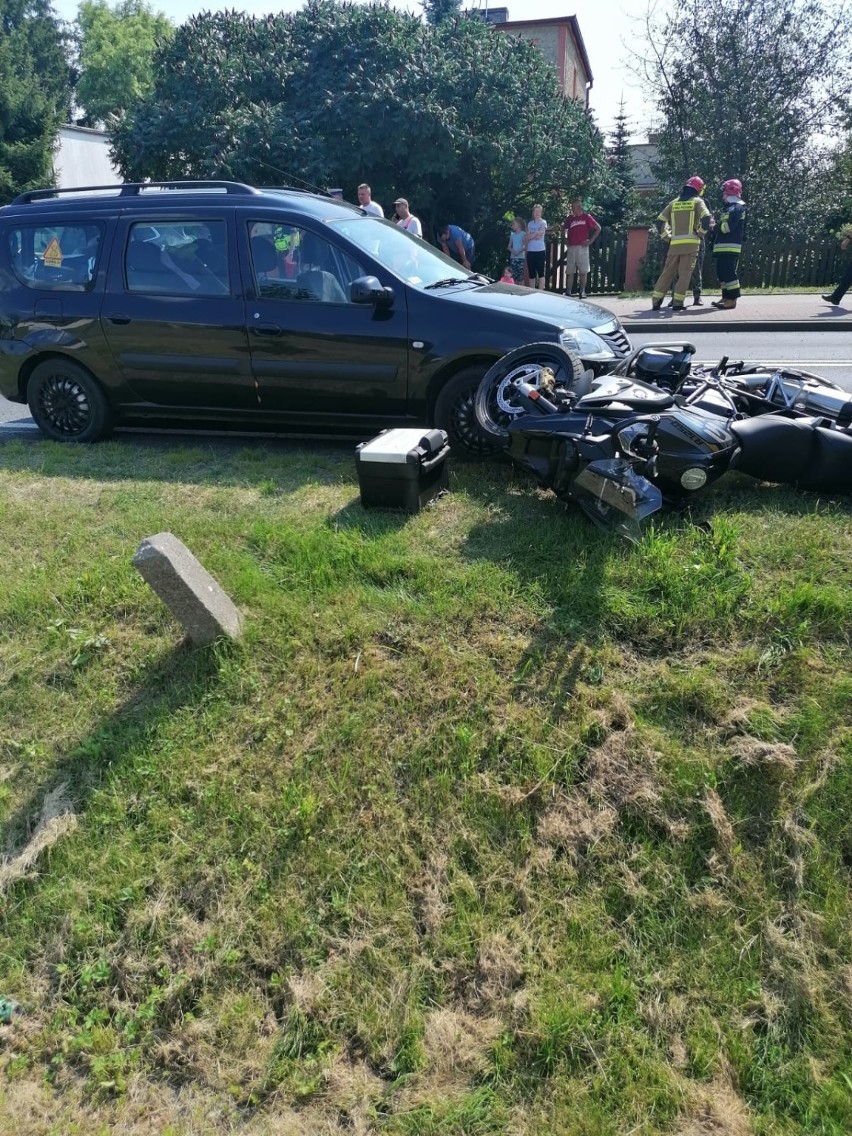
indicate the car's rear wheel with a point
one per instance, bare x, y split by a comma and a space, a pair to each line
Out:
67, 403
455, 412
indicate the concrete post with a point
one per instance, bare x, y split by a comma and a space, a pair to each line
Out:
187, 589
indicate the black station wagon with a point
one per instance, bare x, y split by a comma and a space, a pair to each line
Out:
216, 303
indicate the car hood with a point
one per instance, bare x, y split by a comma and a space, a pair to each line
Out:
531, 302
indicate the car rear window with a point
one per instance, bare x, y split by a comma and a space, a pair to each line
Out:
60, 258
178, 258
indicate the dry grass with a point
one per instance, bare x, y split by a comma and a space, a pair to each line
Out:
723, 830
56, 819
717, 1111
756, 754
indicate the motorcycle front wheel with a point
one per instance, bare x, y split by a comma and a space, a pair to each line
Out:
494, 406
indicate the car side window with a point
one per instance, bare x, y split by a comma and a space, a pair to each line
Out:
61, 258
292, 263
177, 258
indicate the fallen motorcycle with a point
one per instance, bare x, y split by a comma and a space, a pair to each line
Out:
621, 448
736, 389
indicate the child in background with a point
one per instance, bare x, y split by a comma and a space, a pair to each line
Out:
517, 248
507, 277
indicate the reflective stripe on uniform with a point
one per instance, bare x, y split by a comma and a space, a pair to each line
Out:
718, 249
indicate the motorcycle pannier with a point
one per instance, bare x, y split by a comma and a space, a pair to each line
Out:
402, 469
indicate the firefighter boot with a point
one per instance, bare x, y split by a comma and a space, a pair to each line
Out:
725, 305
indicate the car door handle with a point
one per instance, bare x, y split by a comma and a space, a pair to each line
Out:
266, 329
118, 317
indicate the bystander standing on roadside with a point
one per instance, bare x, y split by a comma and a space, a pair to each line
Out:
582, 230
535, 248
517, 242
845, 283
365, 200
406, 219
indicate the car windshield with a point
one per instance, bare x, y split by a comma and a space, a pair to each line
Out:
407, 257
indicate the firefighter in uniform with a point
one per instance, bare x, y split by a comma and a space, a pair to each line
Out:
681, 223
729, 243
287, 241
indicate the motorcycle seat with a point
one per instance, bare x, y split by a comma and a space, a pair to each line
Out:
774, 448
830, 469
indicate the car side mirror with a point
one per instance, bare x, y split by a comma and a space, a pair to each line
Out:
369, 290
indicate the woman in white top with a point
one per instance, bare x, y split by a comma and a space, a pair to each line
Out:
536, 228
407, 220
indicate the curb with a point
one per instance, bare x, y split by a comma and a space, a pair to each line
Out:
692, 325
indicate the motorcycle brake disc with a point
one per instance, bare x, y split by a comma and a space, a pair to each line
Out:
527, 373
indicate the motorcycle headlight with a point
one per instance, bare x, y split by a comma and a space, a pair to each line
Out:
587, 345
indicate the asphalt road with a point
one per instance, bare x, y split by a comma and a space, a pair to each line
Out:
828, 353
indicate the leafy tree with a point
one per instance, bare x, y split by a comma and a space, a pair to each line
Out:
750, 89
619, 204
437, 10
116, 49
341, 93
35, 93
839, 211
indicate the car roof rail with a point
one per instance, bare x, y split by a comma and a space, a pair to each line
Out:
290, 189
135, 188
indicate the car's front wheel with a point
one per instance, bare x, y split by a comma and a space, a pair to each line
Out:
455, 412
67, 403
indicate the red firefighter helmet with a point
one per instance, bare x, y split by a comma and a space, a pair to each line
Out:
696, 183
733, 187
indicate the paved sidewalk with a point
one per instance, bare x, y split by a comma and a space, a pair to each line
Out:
753, 313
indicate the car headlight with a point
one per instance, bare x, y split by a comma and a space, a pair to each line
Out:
587, 345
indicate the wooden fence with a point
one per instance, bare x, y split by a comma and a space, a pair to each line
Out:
766, 262
608, 264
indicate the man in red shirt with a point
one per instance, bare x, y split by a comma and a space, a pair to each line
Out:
582, 231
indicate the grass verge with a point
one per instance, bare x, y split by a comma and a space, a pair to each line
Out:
490, 825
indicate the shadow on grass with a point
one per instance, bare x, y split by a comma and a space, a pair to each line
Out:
560, 559
370, 522
178, 680
276, 465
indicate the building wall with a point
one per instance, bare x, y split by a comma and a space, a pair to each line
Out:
574, 84
82, 158
555, 41
545, 39
642, 155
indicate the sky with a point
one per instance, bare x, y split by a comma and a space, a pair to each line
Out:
608, 28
